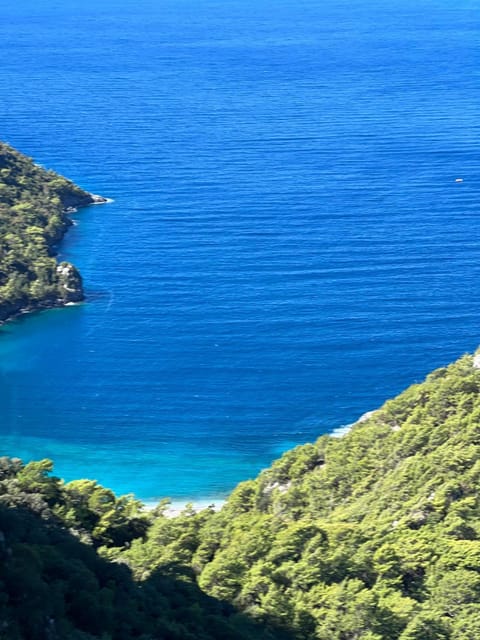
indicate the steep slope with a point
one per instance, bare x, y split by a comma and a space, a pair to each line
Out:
374, 535
55, 585
34, 207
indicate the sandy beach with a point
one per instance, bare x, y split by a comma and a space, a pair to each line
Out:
176, 507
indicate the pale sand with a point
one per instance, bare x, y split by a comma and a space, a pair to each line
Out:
177, 506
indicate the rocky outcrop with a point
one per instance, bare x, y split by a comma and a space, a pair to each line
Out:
70, 285
74, 201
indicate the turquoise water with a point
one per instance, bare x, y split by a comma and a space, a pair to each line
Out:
287, 246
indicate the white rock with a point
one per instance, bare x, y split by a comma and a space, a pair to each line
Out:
366, 416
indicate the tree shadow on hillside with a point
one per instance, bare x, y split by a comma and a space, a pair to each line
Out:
54, 587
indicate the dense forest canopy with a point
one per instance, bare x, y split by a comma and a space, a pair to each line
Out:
34, 207
372, 536
375, 535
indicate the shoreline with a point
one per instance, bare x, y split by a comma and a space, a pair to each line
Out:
25, 311
72, 207
174, 508
342, 430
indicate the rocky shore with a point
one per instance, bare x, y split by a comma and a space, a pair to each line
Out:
35, 209
70, 283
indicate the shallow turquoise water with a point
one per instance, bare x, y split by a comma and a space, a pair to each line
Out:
287, 248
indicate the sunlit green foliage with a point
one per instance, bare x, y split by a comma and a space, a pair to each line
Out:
375, 535
32, 221
372, 536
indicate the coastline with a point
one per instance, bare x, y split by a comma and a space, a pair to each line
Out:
342, 430
71, 205
174, 508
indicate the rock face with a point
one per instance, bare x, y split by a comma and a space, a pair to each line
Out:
70, 285
98, 199
74, 201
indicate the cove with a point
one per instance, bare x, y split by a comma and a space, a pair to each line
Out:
287, 246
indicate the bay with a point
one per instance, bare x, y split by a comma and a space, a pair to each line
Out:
288, 245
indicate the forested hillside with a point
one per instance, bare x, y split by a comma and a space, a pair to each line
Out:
375, 535
372, 536
55, 584
34, 206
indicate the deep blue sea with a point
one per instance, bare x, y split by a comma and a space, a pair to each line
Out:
287, 247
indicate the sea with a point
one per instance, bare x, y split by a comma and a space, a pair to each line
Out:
293, 237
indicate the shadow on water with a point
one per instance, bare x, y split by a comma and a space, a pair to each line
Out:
54, 587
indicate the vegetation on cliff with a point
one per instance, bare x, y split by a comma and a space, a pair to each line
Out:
372, 536
56, 582
375, 535
34, 205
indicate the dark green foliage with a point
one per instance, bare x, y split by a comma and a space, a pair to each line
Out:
54, 585
375, 535
33, 219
